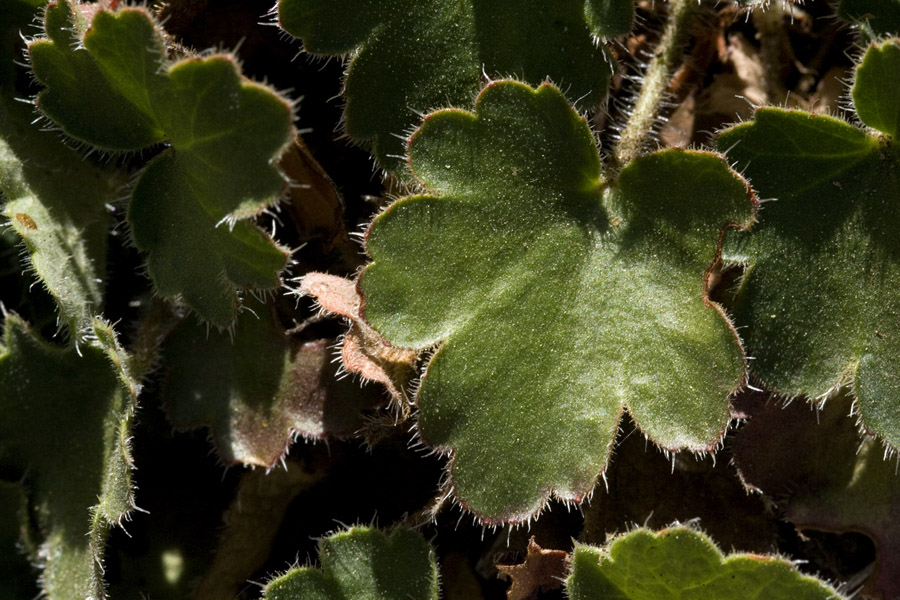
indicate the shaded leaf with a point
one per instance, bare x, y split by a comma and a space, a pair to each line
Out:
364, 563
883, 16
876, 91
679, 562
434, 53
542, 570
820, 295
839, 482
553, 303
644, 486
54, 200
256, 387
17, 577
116, 89
609, 18
52, 399
363, 351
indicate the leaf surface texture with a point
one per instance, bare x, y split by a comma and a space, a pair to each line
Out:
554, 302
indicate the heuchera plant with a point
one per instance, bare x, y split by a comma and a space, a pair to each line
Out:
556, 259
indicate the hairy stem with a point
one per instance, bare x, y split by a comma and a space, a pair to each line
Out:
769, 22
656, 81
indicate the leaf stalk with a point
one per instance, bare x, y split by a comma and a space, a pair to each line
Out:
668, 56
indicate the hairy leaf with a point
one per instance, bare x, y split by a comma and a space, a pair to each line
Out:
553, 303
54, 200
364, 563
820, 295
66, 428
839, 482
412, 56
257, 388
680, 563
609, 18
111, 85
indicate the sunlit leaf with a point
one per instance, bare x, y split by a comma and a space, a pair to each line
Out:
364, 563
554, 302
680, 563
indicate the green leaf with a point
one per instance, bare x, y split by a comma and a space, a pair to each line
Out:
54, 200
820, 294
609, 18
433, 53
877, 88
17, 577
840, 482
364, 563
257, 388
117, 90
680, 563
553, 303
883, 16
66, 428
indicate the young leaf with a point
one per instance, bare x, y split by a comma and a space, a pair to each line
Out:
364, 563
839, 482
411, 56
552, 303
66, 426
111, 85
679, 562
257, 388
54, 200
820, 294
542, 570
363, 351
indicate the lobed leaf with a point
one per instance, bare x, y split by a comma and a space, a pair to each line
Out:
111, 85
553, 303
819, 297
53, 399
412, 56
840, 482
680, 563
364, 563
257, 388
